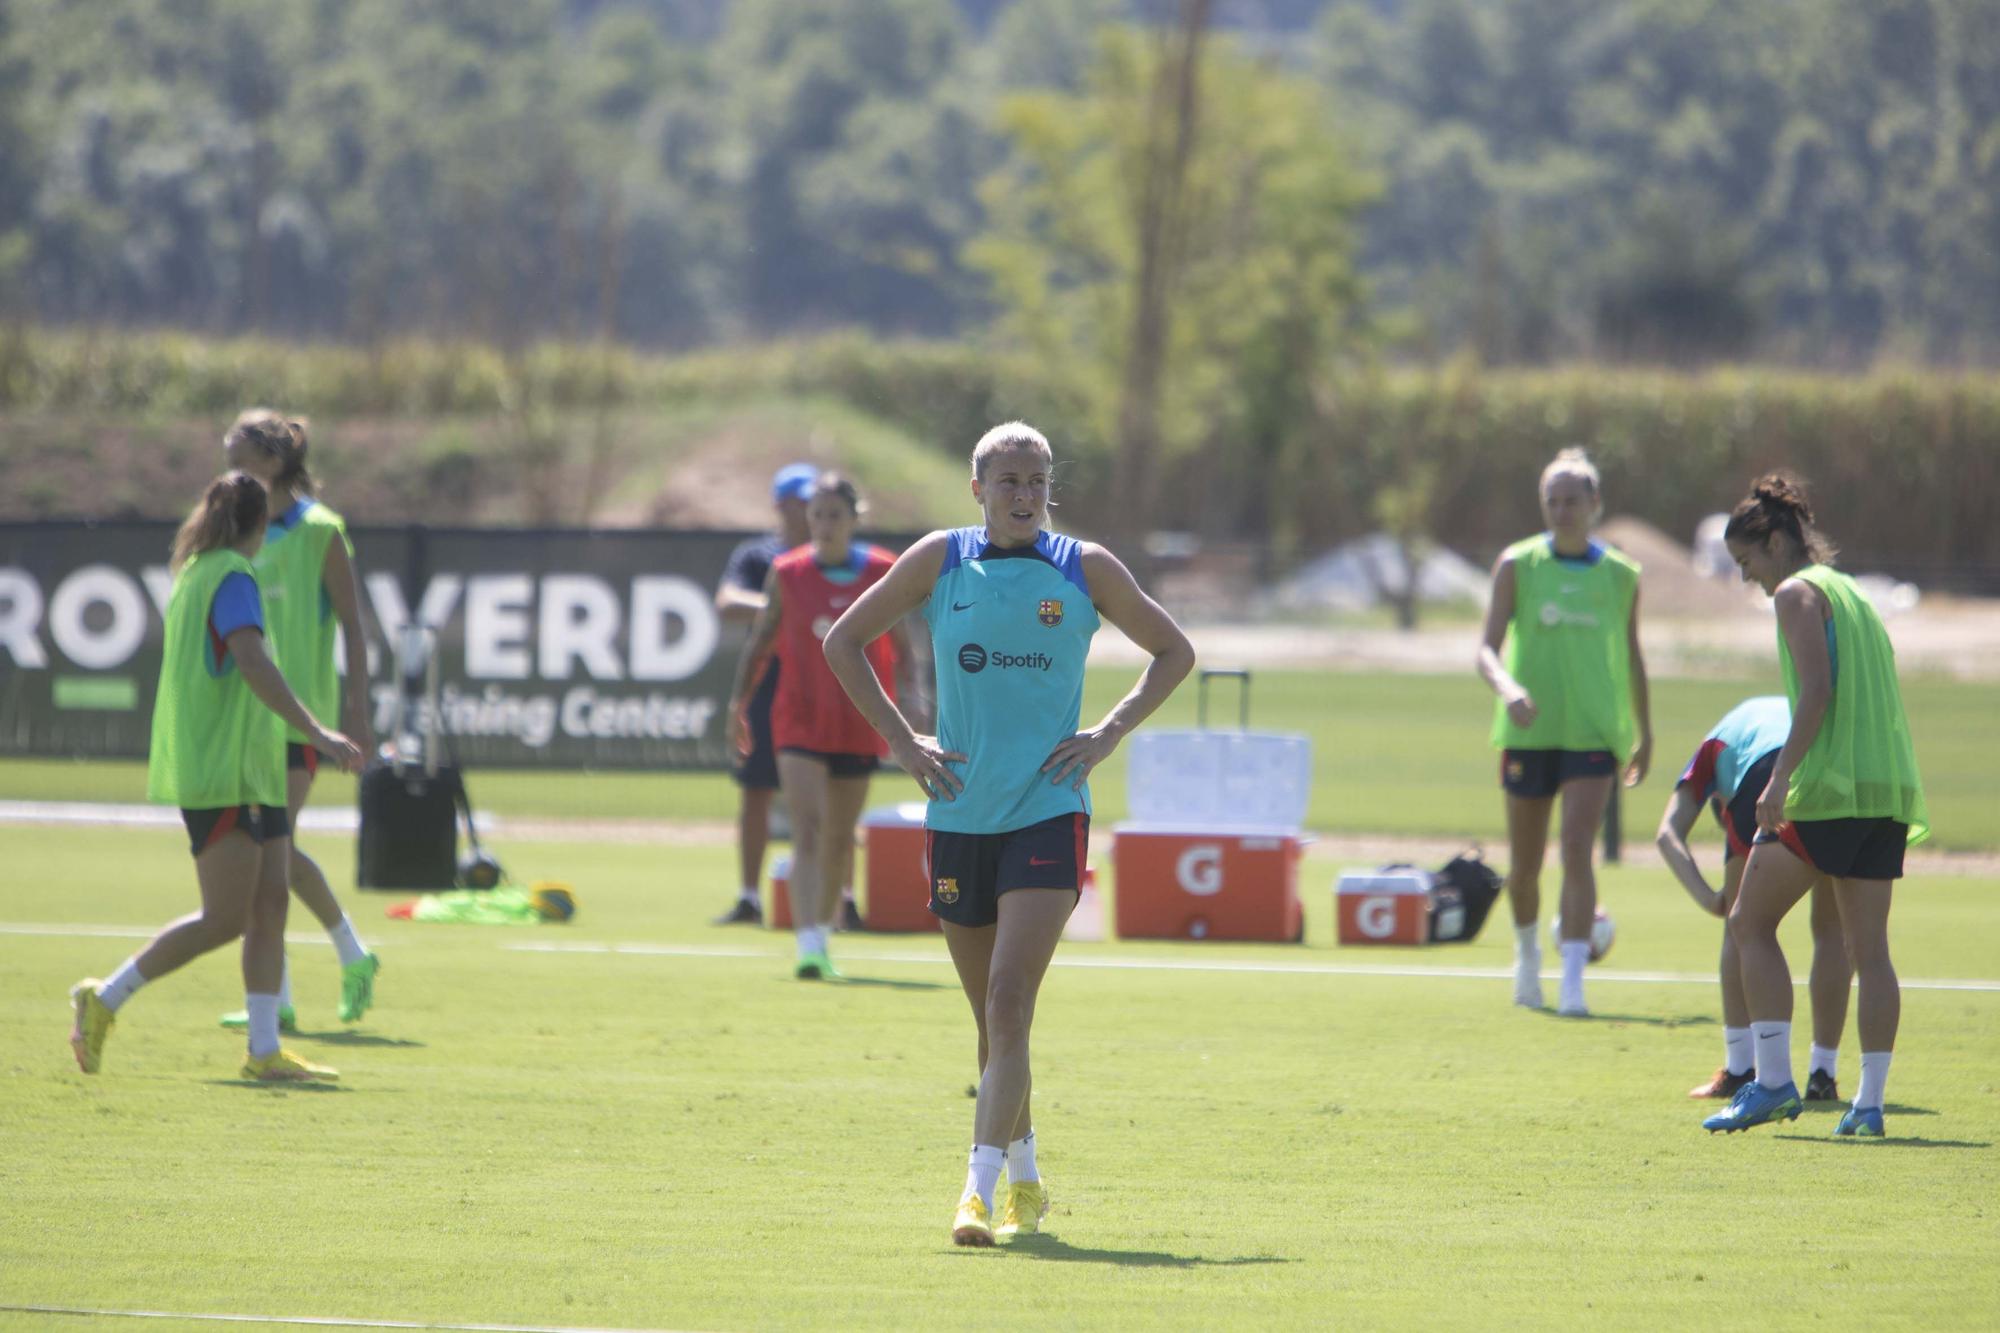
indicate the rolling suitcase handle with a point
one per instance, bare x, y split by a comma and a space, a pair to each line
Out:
1242, 679
415, 641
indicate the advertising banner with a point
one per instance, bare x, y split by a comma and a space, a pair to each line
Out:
557, 648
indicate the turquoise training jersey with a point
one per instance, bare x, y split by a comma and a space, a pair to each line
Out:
1747, 732
1010, 628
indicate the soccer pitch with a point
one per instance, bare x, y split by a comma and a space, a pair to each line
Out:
640, 1120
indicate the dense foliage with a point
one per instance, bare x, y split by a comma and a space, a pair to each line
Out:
1678, 179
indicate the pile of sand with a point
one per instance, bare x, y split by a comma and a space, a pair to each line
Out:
1669, 586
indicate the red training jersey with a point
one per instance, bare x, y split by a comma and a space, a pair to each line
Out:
811, 711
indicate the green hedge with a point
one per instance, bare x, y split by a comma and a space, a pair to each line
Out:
1904, 464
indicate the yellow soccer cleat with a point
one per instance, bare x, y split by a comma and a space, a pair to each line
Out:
1027, 1205
281, 1066
92, 1026
971, 1225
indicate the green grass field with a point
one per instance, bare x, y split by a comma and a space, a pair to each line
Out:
1392, 754
639, 1120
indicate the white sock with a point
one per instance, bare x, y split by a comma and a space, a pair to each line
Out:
1526, 946
811, 940
1874, 1078
123, 982
285, 985
749, 892
1824, 1058
345, 942
1774, 1053
263, 1024
1738, 1055
1575, 953
982, 1172
1021, 1160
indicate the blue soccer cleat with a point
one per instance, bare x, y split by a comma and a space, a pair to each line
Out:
1755, 1104
1861, 1123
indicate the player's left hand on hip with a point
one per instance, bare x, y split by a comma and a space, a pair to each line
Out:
1073, 759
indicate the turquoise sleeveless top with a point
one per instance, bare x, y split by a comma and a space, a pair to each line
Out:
1748, 732
1010, 627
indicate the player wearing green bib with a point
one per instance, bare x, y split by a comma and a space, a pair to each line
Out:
218, 753
1011, 608
306, 575
1572, 708
1843, 800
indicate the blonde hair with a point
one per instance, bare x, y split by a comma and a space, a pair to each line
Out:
234, 506
1009, 435
1572, 462
284, 438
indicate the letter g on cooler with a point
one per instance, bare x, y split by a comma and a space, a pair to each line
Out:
1199, 870
1375, 917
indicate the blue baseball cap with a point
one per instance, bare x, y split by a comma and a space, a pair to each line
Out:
794, 481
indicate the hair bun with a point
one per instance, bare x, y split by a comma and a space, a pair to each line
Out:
1783, 491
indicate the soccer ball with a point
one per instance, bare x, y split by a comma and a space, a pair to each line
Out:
1602, 932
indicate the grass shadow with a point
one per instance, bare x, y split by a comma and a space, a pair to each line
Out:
261, 1086
1888, 1108
1891, 1142
1047, 1247
349, 1037
885, 983
1645, 1020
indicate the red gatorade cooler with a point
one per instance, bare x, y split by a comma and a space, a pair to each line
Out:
896, 888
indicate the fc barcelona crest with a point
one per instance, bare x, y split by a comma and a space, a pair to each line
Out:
1050, 614
947, 890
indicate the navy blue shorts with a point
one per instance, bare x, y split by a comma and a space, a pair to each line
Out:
301, 757
1739, 819
208, 827
969, 871
758, 770
1541, 773
838, 765
1846, 848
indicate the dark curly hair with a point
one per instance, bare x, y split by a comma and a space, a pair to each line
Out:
1777, 503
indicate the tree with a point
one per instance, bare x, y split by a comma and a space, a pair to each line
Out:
1256, 302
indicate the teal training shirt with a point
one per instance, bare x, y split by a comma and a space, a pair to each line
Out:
1010, 628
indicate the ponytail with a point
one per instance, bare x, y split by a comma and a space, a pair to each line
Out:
283, 438
234, 506
1777, 504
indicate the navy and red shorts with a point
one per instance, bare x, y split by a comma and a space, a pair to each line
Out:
208, 827
302, 757
838, 765
1739, 818
1541, 773
1846, 848
969, 871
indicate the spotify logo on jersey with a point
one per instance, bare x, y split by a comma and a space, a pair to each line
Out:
975, 659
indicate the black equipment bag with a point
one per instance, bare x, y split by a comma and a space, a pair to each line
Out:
1462, 893
409, 827
410, 804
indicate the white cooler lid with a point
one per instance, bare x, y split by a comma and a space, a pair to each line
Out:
1377, 882
907, 814
1257, 780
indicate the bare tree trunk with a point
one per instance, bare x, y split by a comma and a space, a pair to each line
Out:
610, 267
1173, 123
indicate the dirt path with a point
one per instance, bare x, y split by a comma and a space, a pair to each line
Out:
1953, 637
